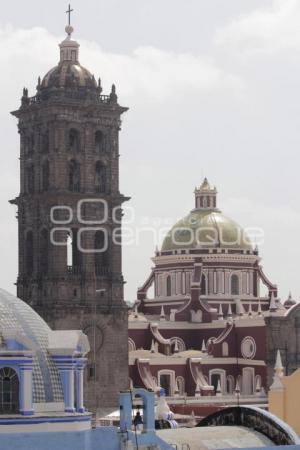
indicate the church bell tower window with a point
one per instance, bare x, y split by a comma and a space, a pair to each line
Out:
45, 176
74, 140
74, 176
99, 142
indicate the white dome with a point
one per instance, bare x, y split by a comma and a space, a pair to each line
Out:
22, 326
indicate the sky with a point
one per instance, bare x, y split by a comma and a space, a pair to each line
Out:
213, 89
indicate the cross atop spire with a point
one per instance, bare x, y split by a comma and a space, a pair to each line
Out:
69, 11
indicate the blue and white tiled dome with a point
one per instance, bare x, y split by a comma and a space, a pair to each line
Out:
21, 324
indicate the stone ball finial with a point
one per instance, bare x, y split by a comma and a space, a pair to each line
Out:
69, 30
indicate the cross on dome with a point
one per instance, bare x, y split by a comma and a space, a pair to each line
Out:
69, 11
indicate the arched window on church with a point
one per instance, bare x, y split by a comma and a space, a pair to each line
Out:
169, 286
30, 178
230, 385
45, 175
29, 253
235, 285
225, 349
101, 184
101, 253
44, 251
74, 140
203, 285
99, 142
74, 176
9, 391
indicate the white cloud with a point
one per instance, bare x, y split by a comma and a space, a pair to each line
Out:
147, 72
265, 29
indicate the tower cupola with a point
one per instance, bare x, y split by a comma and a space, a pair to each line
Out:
69, 48
206, 196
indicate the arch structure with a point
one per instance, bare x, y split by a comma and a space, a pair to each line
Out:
256, 419
9, 391
126, 400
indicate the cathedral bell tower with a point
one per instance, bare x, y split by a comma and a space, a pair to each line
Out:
69, 216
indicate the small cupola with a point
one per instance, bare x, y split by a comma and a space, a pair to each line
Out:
69, 49
206, 196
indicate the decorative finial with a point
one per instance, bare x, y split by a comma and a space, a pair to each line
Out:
176, 349
229, 311
99, 85
162, 314
237, 387
273, 306
113, 95
220, 313
219, 390
250, 310
278, 364
259, 310
153, 349
278, 373
39, 84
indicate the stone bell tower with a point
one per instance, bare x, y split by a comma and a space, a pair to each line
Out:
69, 216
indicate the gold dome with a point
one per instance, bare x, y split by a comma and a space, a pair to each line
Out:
206, 229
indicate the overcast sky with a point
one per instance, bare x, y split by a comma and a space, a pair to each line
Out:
213, 88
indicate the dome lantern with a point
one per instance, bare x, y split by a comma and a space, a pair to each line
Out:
205, 196
69, 49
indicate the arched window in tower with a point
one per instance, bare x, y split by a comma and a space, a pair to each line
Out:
44, 251
203, 285
74, 176
30, 178
74, 255
29, 253
74, 140
45, 142
99, 142
45, 175
69, 251
9, 391
101, 184
169, 286
101, 252
31, 144
235, 285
